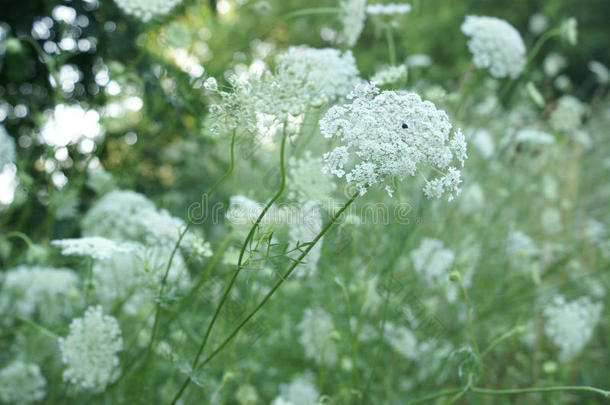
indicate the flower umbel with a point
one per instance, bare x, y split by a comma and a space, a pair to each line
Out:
392, 134
90, 350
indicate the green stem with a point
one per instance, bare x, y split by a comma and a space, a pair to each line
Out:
34, 325
530, 58
471, 327
269, 294
434, 396
177, 245
391, 48
20, 235
311, 11
503, 337
513, 391
243, 249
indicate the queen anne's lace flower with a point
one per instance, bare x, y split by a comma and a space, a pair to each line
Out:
402, 340
303, 77
390, 75
534, 137
570, 325
600, 71
329, 74
521, 250
567, 116
390, 9
392, 134
316, 329
129, 216
90, 350
41, 293
569, 31
21, 383
432, 261
134, 278
95, 247
7, 148
300, 391
352, 16
495, 44
146, 10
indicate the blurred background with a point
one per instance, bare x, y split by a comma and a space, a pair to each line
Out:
83, 85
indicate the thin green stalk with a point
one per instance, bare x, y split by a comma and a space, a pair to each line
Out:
20, 235
515, 391
436, 395
177, 245
34, 325
391, 47
311, 11
471, 327
269, 294
503, 337
243, 249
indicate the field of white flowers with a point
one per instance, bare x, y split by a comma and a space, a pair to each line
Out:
302, 203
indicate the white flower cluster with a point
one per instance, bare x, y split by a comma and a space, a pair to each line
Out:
567, 116
22, 383
7, 148
303, 77
300, 391
495, 44
402, 340
352, 16
521, 250
534, 137
243, 212
134, 279
390, 9
391, 134
38, 292
306, 183
90, 350
146, 10
390, 75
432, 261
570, 325
329, 73
125, 215
95, 247
308, 225
601, 71
316, 336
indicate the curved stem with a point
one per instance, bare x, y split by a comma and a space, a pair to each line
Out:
20, 235
177, 245
501, 338
514, 391
269, 294
241, 253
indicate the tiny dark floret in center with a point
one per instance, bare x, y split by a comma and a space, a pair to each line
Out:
405, 126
